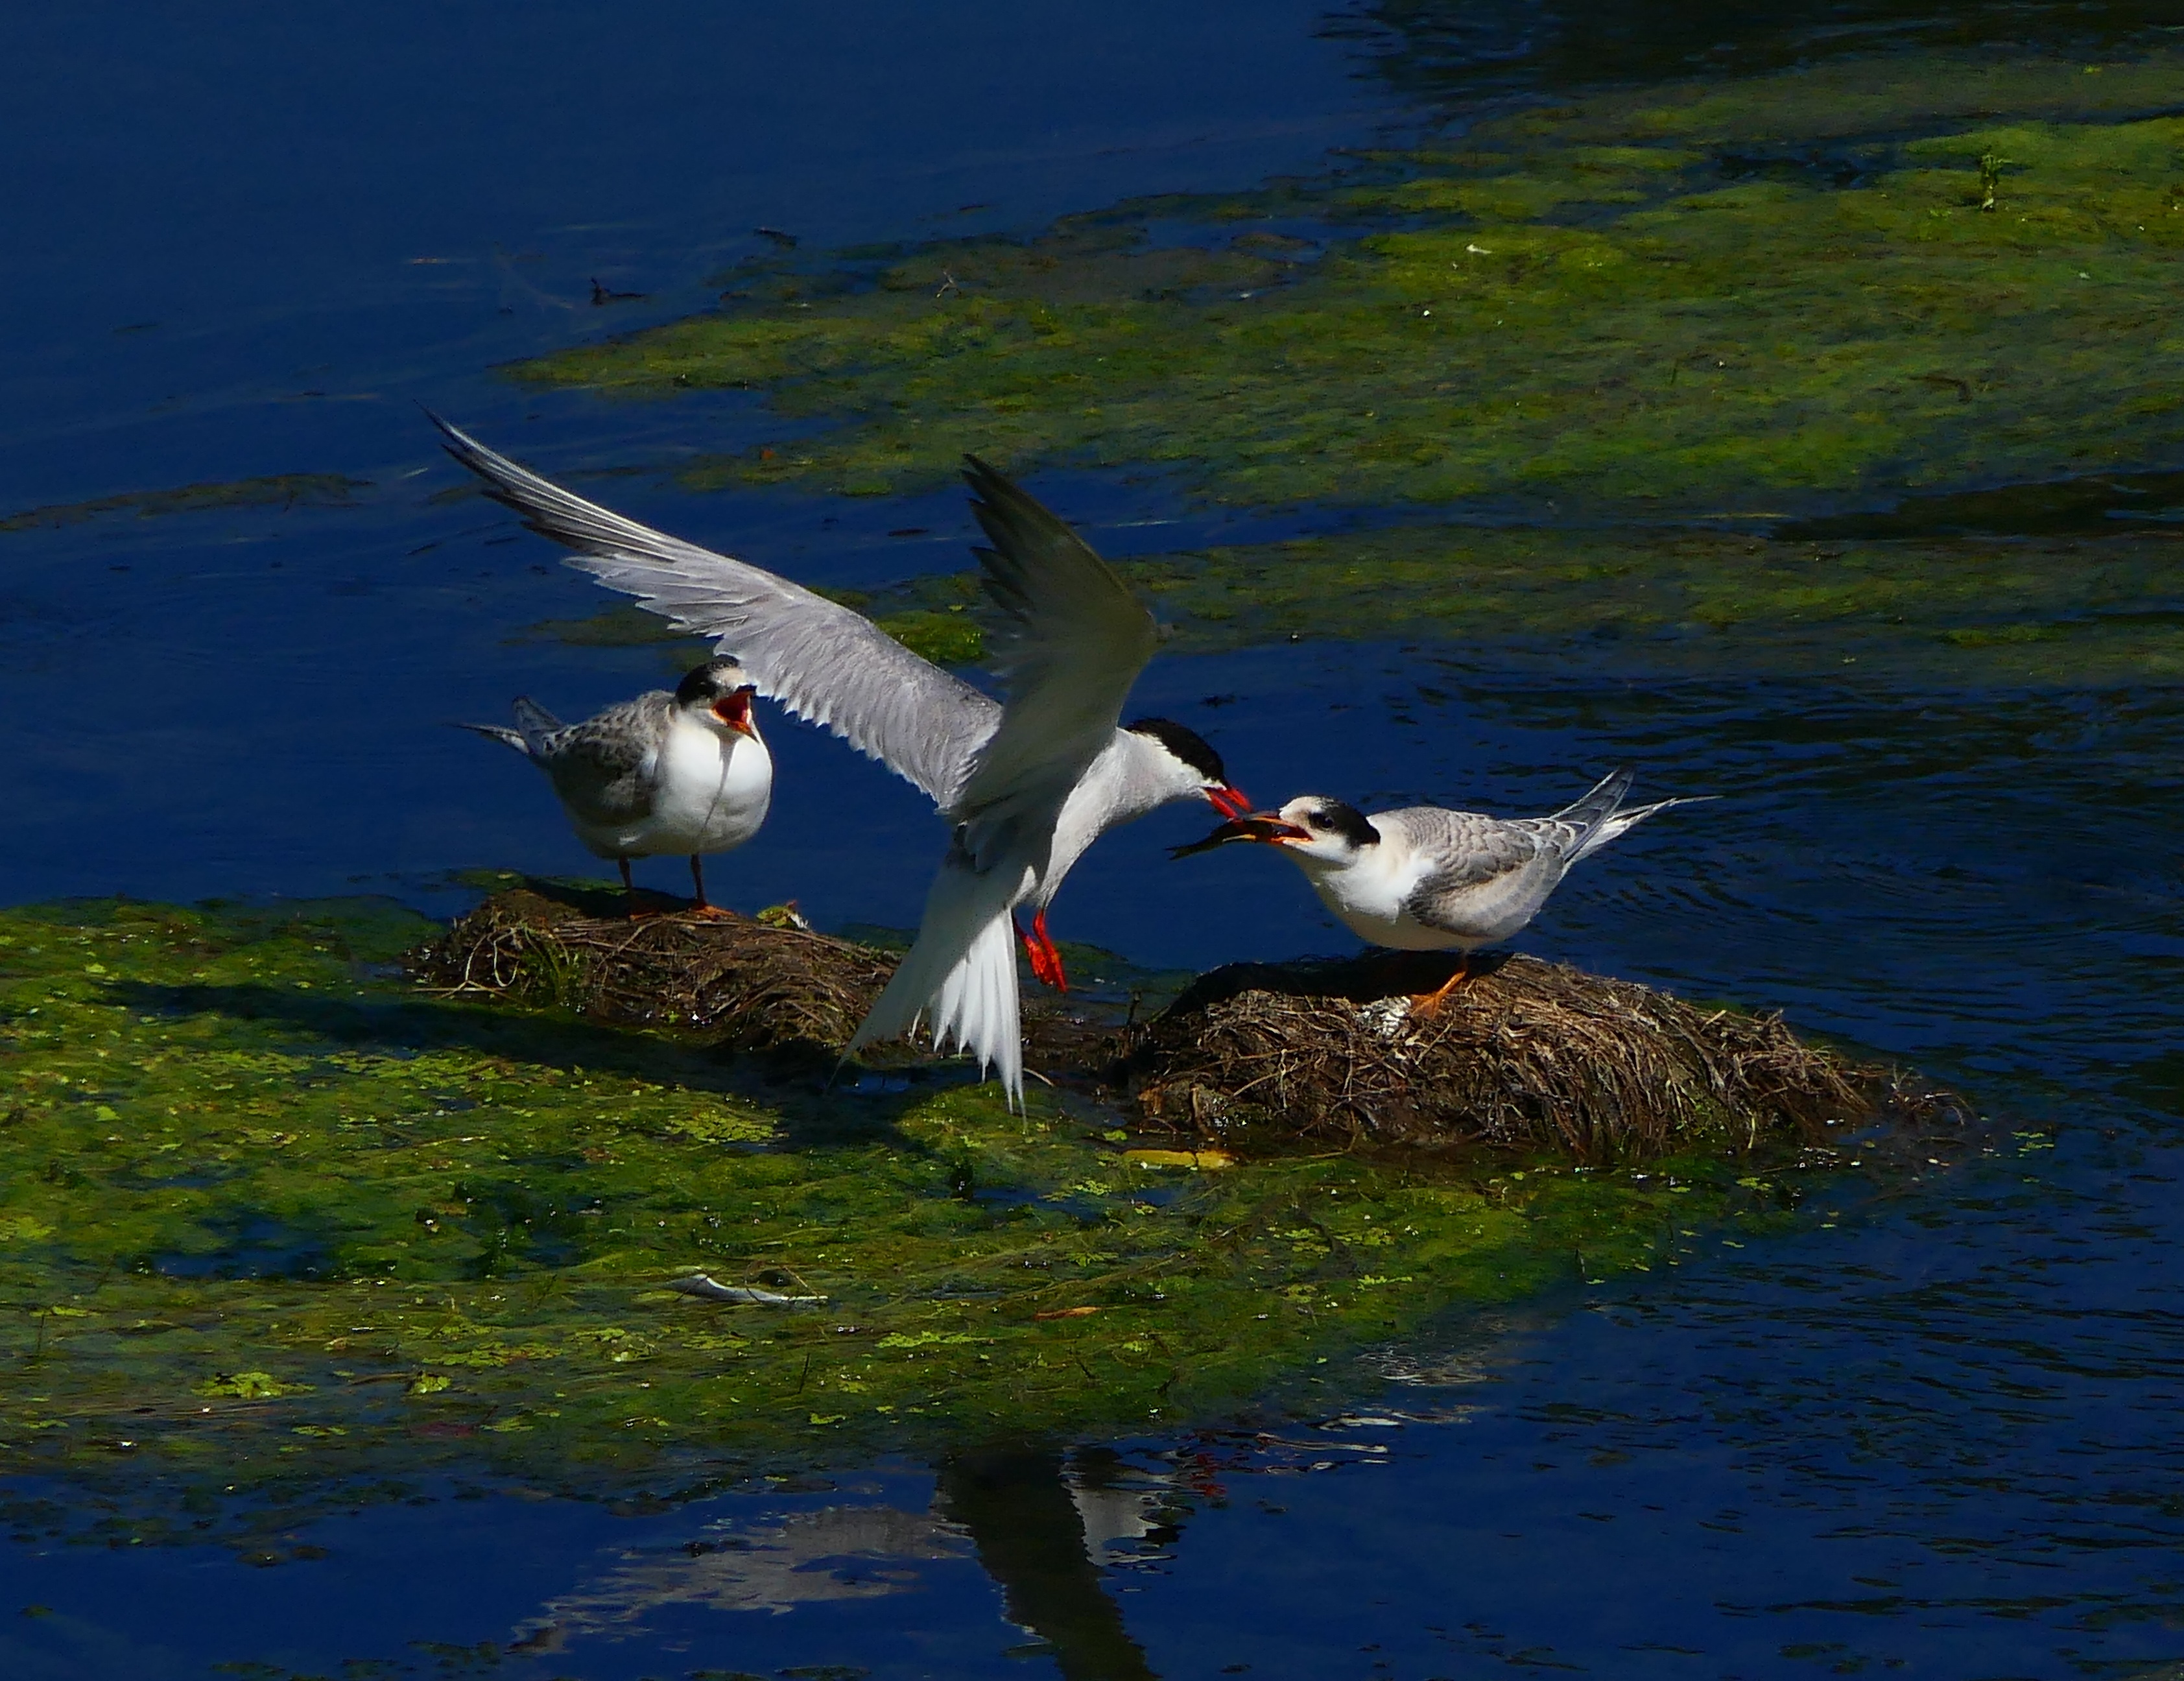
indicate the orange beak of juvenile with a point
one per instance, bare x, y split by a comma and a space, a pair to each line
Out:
734, 711
1230, 802
1269, 827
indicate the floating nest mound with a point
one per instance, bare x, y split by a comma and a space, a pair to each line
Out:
750, 985
1529, 1055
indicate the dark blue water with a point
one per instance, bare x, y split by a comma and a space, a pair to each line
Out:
1935, 1434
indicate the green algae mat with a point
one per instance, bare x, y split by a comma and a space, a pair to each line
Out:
273, 1214
1926, 271
1623, 368
1940, 611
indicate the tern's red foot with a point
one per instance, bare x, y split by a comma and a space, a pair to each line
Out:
698, 904
1425, 1003
713, 913
1046, 961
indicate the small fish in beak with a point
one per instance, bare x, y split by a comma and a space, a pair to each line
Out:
1265, 826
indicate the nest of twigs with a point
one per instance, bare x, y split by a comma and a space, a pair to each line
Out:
749, 985
1527, 1055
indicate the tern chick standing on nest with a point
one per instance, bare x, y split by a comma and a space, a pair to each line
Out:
685, 772
1428, 880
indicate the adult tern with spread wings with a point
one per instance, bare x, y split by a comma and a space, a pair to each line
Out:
1026, 783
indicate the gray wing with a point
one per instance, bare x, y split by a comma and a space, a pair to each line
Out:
1073, 639
819, 659
603, 768
1476, 855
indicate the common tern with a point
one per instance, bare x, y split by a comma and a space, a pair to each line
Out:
1424, 878
1026, 783
665, 774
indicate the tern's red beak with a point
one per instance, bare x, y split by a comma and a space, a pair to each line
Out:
1230, 801
734, 711
1268, 826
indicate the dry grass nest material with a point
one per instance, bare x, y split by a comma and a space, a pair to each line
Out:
1529, 1055
752, 986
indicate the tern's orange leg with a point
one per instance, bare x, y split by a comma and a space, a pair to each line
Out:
1057, 980
1046, 961
697, 905
1424, 1003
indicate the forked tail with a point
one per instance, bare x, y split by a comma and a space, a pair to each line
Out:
1599, 817
534, 723
500, 733
960, 976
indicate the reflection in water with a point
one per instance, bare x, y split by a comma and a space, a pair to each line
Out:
1041, 1522
1031, 1530
844, 1552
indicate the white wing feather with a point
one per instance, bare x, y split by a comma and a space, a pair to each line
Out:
960, 975
1072, 641
817, 657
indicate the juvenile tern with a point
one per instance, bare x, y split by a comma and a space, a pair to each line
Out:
680, 772
1424, 878
1026, 783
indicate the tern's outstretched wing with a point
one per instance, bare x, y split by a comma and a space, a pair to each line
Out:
1072, 641
817, 657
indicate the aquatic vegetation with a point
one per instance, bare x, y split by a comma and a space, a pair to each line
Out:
1437, 49
1953, 605
271, 1213
1663, 298
1948, 610
281, 490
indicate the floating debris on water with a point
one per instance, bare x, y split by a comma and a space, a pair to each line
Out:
707, 1289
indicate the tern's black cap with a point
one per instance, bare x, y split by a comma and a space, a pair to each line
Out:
1339, 817
1187, 744
709, 681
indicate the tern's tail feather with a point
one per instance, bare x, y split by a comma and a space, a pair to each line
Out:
960, 976
1622, 822
1599, 818
501, 733
533, 721
533, 725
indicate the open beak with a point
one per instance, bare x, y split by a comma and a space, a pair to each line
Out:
734, 711
1230, 802
1265, 826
